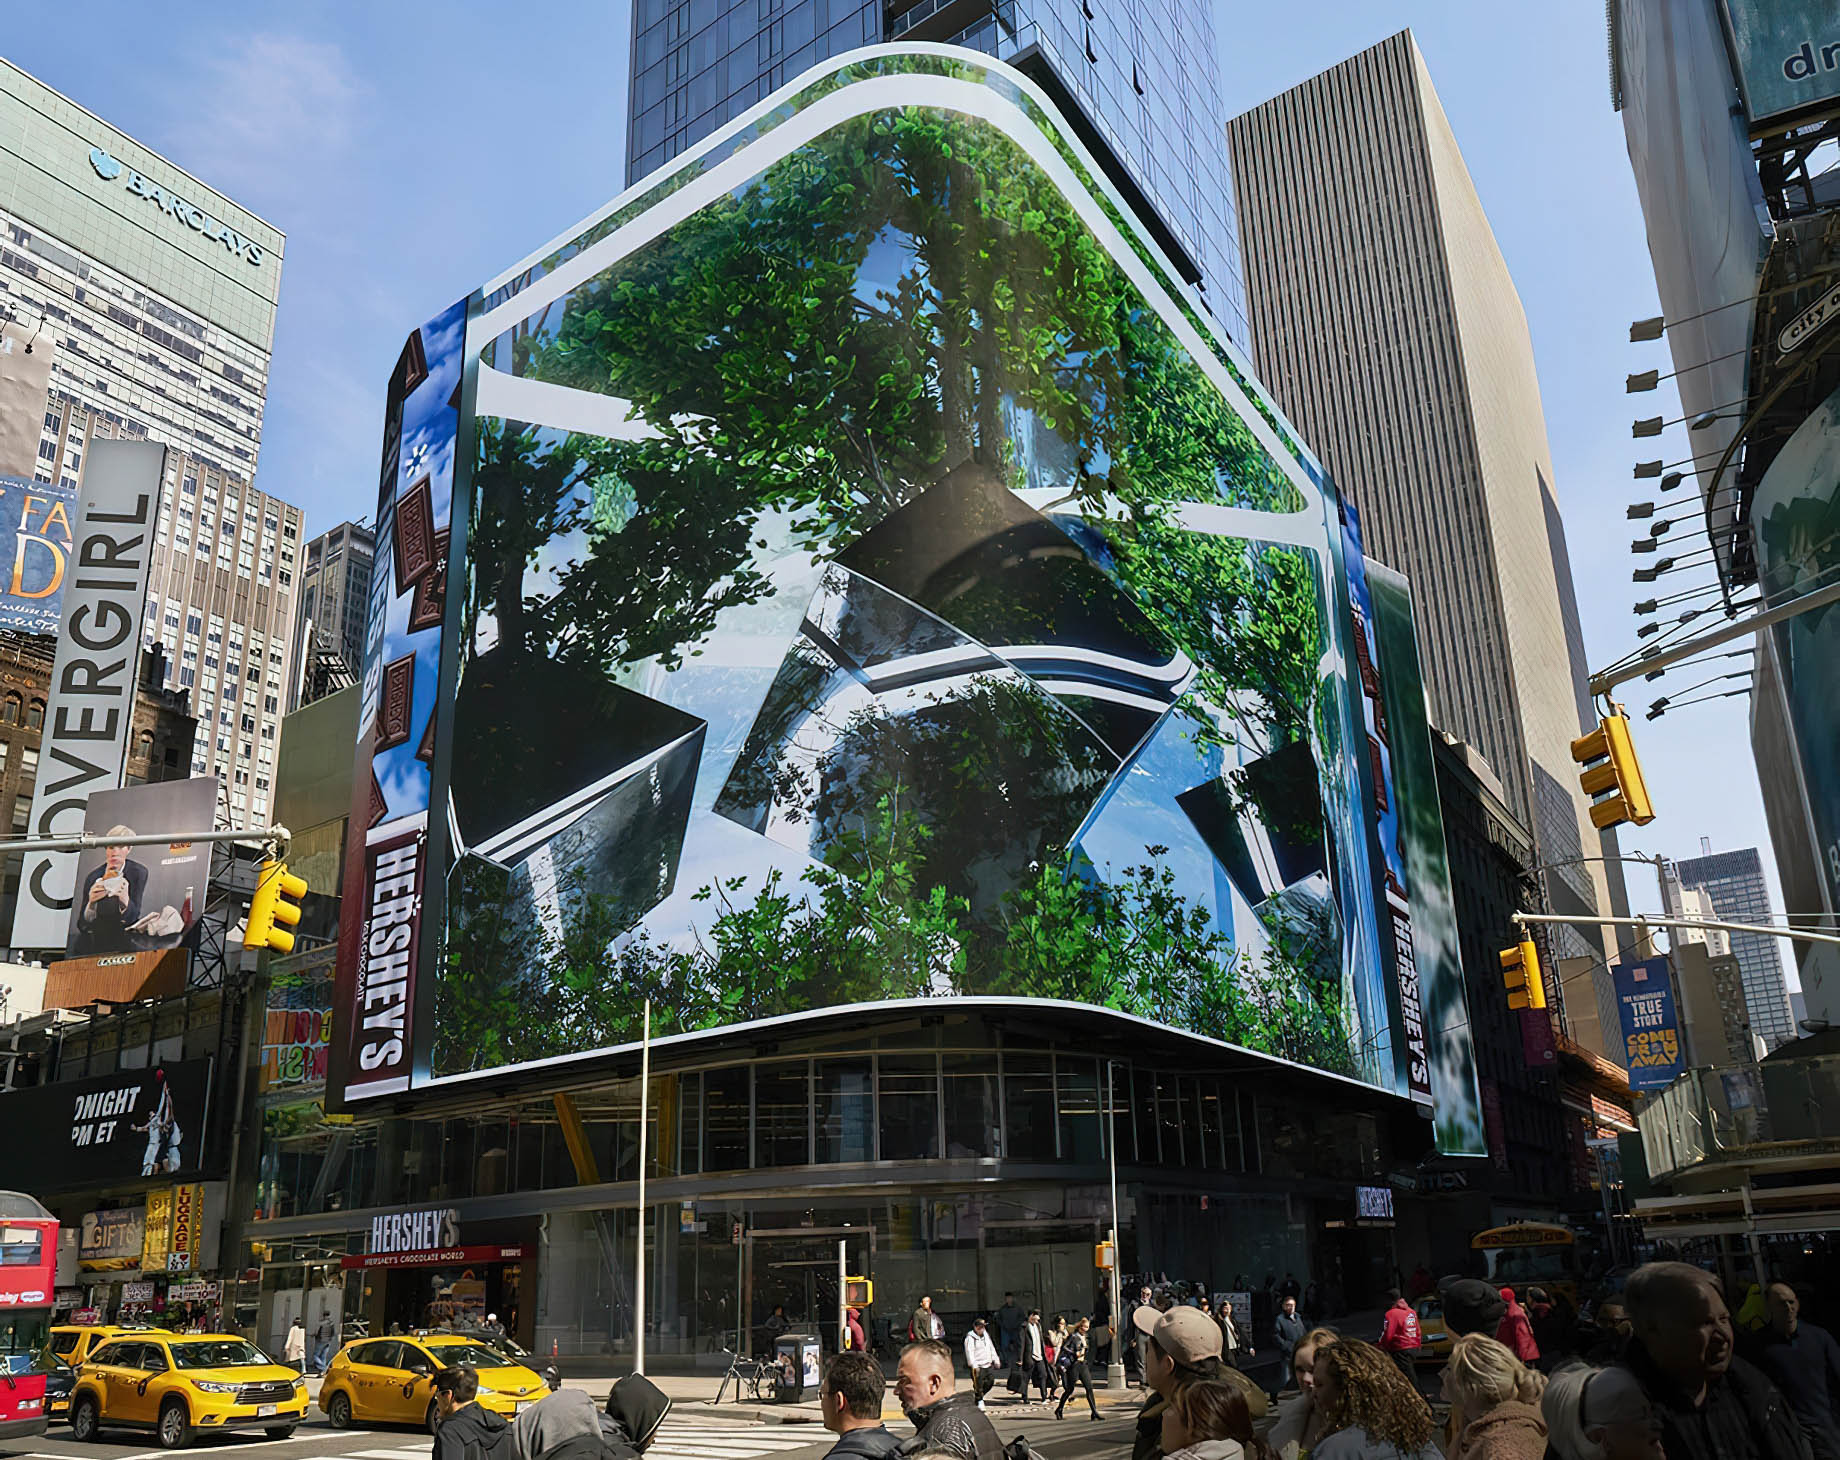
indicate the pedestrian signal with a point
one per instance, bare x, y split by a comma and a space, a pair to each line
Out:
858, 1292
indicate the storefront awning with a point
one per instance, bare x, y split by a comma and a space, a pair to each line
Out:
442, 1256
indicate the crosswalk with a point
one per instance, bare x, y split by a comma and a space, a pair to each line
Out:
684, 1436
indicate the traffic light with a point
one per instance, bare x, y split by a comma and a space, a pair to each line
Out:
858, 1292
1521, 976
1105, 1256
1612, 776
276, 900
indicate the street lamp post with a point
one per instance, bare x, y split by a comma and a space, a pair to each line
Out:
1114, 1370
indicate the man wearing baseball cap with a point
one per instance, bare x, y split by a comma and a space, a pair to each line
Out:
1182, 1347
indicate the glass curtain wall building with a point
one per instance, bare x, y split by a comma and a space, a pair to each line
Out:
1138, 81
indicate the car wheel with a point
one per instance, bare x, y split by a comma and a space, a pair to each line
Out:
338, 1410
85, 1419
175, 1429
432, 1420
279, 1432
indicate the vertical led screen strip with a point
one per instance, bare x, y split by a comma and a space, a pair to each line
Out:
386, 878
873, 583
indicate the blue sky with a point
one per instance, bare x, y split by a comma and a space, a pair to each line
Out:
410, 151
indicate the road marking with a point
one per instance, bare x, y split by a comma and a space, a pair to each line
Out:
398, 1454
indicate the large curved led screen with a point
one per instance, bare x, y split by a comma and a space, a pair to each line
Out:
859, 573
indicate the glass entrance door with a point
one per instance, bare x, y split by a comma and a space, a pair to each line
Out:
792, 1276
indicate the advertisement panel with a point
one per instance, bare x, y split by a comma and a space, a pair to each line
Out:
28, 1261
35, 541
1788, 58
1653, 1049
26, 356
187, 1228
1796, 510
156, 1231
110, 1128
143, 898
111, 1241
809, 641
90, 711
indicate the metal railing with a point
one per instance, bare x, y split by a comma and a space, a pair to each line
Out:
1776, 1110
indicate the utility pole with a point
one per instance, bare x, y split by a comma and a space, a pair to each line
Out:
1799, 935
645, 1082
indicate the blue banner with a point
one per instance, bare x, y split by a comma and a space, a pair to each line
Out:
35, 537
1652, 1045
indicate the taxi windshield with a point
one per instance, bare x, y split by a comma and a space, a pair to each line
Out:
221, 1353
476, 1354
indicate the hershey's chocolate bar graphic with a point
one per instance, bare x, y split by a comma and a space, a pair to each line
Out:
425, 751
395, 704
414, 536
430, 602
380, 808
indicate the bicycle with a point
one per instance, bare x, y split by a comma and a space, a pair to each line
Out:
751, 1376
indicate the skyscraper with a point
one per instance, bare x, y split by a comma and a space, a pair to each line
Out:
1138, 81
329, 638
1734, 882
1384, 321
157, 295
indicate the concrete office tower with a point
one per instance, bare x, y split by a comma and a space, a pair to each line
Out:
1385, 323
1680, 901
334, 587
1734, 882
1137, 78
159, 293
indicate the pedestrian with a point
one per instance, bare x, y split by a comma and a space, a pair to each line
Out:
925, 1323
1422, 1282
1400, 1334
1035, 1357
1515, 1331
1209, 1421
294, 1348
1803, 1361
1494, 1402
777, 1323
854, 1338
1608, 1334
464, 1431
1057, 1335
1009, 1328
325, 1341
565, 1424
1139, 1340
1233, 1345
1183, 1348
1290, 1329
1552, 1328
1470, 1306
1712, 1405
945, 1422
1300, 1419
1291, 1287
1075, 1367
981, 1358
1599, 1414
1369, 1410
635, 1412
851, 1400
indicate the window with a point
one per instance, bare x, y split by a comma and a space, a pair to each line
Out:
782, 1113
727, 1118
13, 706
1077, 1086
973, 1127
845, 1111
907, 1092
22, 812
1028, 1107
28, 761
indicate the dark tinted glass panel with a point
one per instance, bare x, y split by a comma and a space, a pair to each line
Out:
846, 1110
1211, 1120
1078, 1086
725, 1119
1028, 1107
973, 1127
1142, 1095
908, 1093
1169, 1119
1188, 1089
782, 1114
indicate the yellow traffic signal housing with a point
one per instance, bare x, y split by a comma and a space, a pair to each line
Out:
1612, 775
276, 900
1105, 1256
1521, 976
858, 1292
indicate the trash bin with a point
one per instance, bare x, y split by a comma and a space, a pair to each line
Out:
798, 1357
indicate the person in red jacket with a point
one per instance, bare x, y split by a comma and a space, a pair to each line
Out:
1516, 1332
1400, 1336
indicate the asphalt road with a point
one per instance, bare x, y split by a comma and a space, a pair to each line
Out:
686, 1436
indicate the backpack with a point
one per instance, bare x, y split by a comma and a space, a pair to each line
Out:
1020, 1449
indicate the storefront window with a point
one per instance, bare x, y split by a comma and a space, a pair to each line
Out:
782, 1114
1028, 1107
907, 1090
973, 1115
846, 1111
1078, 1086
727, 1118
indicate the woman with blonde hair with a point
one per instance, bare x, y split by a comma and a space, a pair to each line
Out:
1600, 1414
1369, 1410
1300, 1418
1494, 1402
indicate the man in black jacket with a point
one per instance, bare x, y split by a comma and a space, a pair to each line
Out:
464, 1431
945, 1422
851, 1399
1712, 1405
1804, 1362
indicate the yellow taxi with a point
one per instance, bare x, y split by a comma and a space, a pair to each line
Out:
180, 1385
1434, 1338
391, 1380
72, 1342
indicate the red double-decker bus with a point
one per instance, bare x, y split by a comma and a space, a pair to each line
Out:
28, 1273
